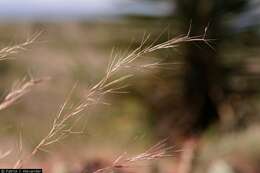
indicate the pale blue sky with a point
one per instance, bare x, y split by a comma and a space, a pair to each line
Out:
93, 9
46, 9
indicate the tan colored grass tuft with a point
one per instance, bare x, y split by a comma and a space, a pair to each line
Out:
21, 87
6, 52
68, 116
18, 90
156, 152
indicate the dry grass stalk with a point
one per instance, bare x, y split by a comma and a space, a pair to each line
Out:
6, 52
5, 154
19, 89
157, 151
67, 118
22, 87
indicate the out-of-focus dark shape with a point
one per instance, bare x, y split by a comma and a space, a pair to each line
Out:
215, 79
208, 97
205, 77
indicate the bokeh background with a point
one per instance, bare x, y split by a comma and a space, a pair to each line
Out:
208, 99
